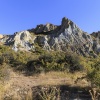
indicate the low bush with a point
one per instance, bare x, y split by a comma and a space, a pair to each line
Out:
94, 74
4, 72
58, 62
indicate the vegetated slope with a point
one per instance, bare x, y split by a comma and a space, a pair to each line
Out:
23, 71
65, 37
49, 55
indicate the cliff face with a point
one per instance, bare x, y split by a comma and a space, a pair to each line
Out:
96, 41
65, 37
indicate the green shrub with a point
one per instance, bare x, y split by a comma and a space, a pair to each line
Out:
73, 62
94, 73
45, 60
55, 62
94, 77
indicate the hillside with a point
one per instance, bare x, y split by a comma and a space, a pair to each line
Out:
50, 62
65, 37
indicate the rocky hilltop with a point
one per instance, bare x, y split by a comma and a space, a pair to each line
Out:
65, 37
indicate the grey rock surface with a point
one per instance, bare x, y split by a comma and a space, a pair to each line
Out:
65, 37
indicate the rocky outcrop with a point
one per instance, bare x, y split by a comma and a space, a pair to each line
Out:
22, 40
65, 37
1, 36
44, 28
96, 41
19, 41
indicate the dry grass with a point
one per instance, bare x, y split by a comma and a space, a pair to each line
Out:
60, 78
3, 88
29, 95
50, 78
19, 81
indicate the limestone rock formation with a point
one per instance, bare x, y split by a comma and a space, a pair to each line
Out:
45, 28
1, 36
65, 37
19, 41
96, 41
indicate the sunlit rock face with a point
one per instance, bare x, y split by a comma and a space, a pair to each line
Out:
19, 41
1, 36
22, 41
65, 37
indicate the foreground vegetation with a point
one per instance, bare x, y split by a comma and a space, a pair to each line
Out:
40, 61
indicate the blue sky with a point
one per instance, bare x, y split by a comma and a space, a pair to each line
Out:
17, 15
